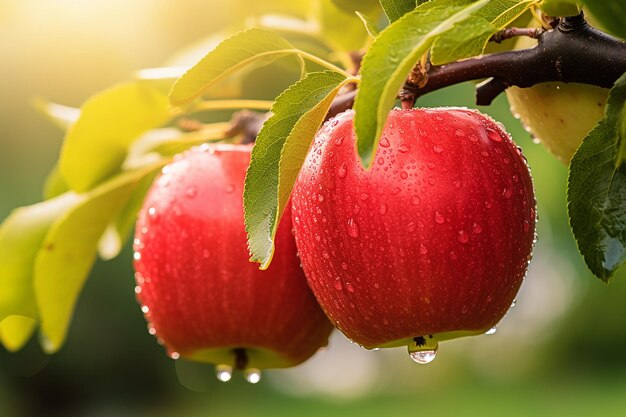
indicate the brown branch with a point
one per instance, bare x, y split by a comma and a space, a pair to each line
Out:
573, 52
505, 34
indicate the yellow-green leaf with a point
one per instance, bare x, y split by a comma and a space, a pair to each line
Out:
278, 154
232, 54
96, 145
21, 236
15, 331
69, 251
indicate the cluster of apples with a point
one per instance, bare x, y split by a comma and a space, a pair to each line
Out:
429, 244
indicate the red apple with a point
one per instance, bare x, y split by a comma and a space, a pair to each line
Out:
429, 244
200, 294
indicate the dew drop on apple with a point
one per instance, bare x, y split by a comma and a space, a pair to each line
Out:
252, 375
353, 228
494, 136
403, 148
438, 149
384, 143
223, 373
404, 175
382, 209
477, 228
230, 189
175, 355
462, 236
415, 200
423, 249
439, 219
338, 285
491, 331
513, 303
342, 171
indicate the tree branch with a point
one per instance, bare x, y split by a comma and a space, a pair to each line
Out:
573, 52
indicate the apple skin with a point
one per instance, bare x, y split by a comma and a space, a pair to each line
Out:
199, 292
433, 240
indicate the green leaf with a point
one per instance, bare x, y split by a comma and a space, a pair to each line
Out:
370, 26
469, 38
15, 331
392, 56
395, 9
350, 6
232, 54
21, 236
611, 13
341, 29
279, 152
96, 145
597, 191
561, 7
69, 251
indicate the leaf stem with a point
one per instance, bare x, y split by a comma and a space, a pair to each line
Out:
232, 105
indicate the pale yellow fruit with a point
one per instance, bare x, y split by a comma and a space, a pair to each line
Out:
559, 115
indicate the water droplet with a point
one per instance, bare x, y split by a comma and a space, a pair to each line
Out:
223, 373
488, 204
353, 228
513, 303
404, 175
526, 226
344, 266
152, 212
415, 200
462, 236
476, 228
137, 289
473, 138
145, 309
175, 355
252, 375
395, 191
230, 189
137, 256
151, 331
459, 133
431, 180
342, 171
382, 209
380, 161
494, 136
438, 149
338, 285
507, 193
423, 249
384, 143
411, 227
491, 331
320, 198
403, 148
364, 196
191, 192
339, 140
423, 349
439, 219
349, 287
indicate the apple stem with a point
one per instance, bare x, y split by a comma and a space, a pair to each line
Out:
241, 358
573, 52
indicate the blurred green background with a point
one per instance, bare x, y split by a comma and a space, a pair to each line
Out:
559, 351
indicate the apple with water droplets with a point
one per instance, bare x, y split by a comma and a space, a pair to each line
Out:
200, 294
430, 243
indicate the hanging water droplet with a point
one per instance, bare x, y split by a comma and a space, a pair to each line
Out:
151, 331
384, 143
137, 256
423, 349
342, 171
137, 289
152, 212
252, 375
491, 331
223, 373
175, 355
145, 309
353, 228
513, 303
